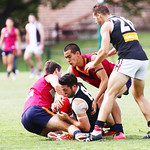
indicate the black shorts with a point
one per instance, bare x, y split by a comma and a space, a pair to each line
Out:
35, 118
5, 53
128, 84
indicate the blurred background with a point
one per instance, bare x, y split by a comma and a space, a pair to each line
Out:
66, 21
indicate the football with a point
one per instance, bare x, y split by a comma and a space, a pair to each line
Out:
66, 105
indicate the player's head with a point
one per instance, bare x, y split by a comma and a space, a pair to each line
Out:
72, 54
9, 22
31, 18
68, 84
100, 12
52, 67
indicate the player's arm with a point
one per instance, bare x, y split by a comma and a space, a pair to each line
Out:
79, 107
27, 35
41, 31
53, 80
102, 75
2, 37
112, 52
105, 45
18, 39
69, 70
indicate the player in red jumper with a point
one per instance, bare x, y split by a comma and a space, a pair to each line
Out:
9, 36
37, 115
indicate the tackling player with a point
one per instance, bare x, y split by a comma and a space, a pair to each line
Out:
37, 115
98, 77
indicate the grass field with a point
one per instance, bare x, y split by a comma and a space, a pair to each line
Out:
14, 136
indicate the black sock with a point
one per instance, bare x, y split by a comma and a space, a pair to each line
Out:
100, 123
113, 128
118, 127
8, 74
76, 132
148, 124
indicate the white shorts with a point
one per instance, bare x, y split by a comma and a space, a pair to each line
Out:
34, 49
133, 68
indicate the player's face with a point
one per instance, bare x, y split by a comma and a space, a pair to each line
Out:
71, 58
9, 23
59, 74
98, 19
31, 19
67, 91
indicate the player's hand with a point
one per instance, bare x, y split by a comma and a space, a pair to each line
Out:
42, 46
58, 101
54, 107
63, 116
94, 106
89, 66
19, 52
57, 104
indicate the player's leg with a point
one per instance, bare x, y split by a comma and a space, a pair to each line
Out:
10, 58
55, 124
116, 82
4, 59
27, 58
138, 93
38, 58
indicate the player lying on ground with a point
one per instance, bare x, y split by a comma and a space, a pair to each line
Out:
37, 115
81, 104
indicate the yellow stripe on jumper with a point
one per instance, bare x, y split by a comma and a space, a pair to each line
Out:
130, 36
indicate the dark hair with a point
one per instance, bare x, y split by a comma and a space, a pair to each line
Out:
68, 79
32, 14
73, 47
100, 8
50, 67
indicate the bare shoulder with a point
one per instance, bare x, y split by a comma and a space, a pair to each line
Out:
69, 70
3, 30
17, 30
51, 78
107, 26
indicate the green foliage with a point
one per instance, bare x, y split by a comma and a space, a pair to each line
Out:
58, 3
130, 6
18, 10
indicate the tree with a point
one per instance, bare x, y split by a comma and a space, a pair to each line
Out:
131, 6
18, 10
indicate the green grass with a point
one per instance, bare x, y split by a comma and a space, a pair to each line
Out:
14, 136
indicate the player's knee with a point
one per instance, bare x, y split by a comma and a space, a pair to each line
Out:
26, 58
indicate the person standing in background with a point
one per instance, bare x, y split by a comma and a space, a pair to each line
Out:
35, 44
9, 36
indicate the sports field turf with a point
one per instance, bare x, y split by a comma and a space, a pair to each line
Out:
14, 136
